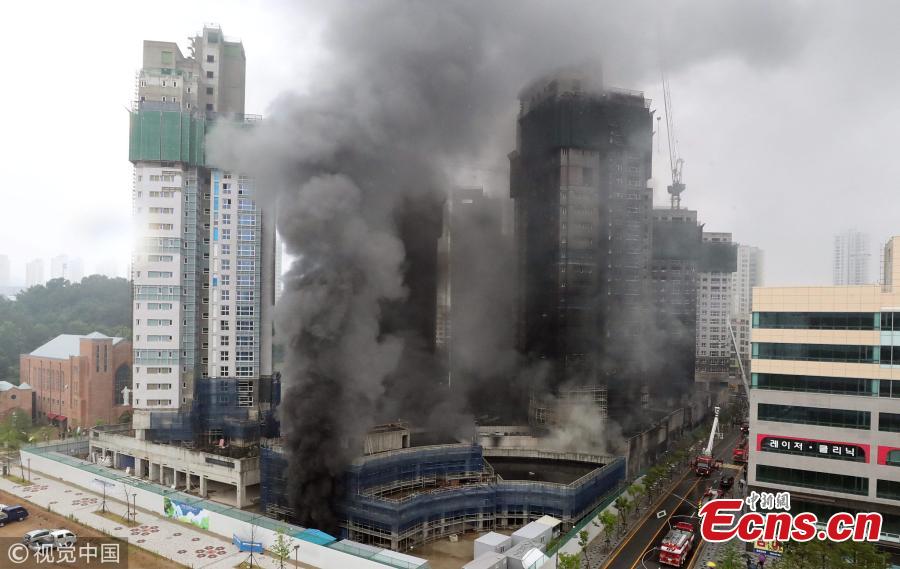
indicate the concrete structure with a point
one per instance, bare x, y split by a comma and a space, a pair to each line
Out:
13, 397
233, 481
715, 354
491, 542
749, 274
677, 246
851, 259
401, 498
315, 549
204, 267
825, 397
78, 381
5, 272
34, 273
583, 231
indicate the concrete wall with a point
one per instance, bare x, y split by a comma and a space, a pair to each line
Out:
220, 524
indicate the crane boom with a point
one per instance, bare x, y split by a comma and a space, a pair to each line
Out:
675, 162
712, 435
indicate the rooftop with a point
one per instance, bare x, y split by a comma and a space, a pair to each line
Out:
65, 346
540, 470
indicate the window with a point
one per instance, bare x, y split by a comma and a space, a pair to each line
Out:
161, 226
160, 258
889, 422
244, 325
210, 74
846, 418
223, 356
244, 357
244, 371
159, 274
246, 280
246, 250
246, 265
245, 311
209, 90
888, 489
815, 352
223, 325
245, 204
226, 249
224, 371
814, 384
816, 480
210, 59
226, 280
245, 296
225, 235
224, 294
247, 220
224, 310
816, 320
244, 341
225, 264
159, 322
245, 235
209, 106
226, 219
224, 340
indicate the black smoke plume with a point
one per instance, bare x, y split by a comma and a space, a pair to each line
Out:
359, 162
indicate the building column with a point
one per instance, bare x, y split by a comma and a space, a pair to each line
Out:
202, 486
115, 459
187, 480
239, 495
138, 467
174, 477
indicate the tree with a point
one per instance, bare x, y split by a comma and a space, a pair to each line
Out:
43, 312
818, 554
731, 557
623, 505
583, 538
636, 491
608, 521
281, 549
569, 561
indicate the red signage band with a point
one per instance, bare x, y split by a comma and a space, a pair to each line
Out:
883, 453
865, 447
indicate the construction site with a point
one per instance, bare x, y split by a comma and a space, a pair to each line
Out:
400, 495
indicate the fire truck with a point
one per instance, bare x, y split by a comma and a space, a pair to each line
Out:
676, 547
705, 463
741, 452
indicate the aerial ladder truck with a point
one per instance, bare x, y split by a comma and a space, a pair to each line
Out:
705, 463
677, 545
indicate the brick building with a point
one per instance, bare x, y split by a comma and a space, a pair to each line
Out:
78, 380
14, 397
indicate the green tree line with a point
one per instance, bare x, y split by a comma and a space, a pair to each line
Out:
41, 313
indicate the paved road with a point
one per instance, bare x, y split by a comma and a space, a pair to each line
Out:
637, 551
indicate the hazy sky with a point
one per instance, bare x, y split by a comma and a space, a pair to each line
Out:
783, 148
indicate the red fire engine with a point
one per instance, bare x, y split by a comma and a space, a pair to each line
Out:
676, 547
741, 452
705, 463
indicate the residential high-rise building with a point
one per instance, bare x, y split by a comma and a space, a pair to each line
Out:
851, 259
715, 352
5, 276
825, 395
204, 266
677, 247
279, 269
59, 267
34, 273
749, 274
75, 270
583, 232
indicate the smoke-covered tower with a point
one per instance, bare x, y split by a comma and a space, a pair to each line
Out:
583, 231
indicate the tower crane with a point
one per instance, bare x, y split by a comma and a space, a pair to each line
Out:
676, 163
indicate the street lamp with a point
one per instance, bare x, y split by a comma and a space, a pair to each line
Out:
297, 555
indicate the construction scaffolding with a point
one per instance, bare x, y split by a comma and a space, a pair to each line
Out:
406, 497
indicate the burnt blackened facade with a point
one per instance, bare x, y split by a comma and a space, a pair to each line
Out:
583, 233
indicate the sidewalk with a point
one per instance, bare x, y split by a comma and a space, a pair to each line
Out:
172, 540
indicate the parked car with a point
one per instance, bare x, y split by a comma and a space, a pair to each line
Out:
4, 518
53, 539
35, 535
15, 513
